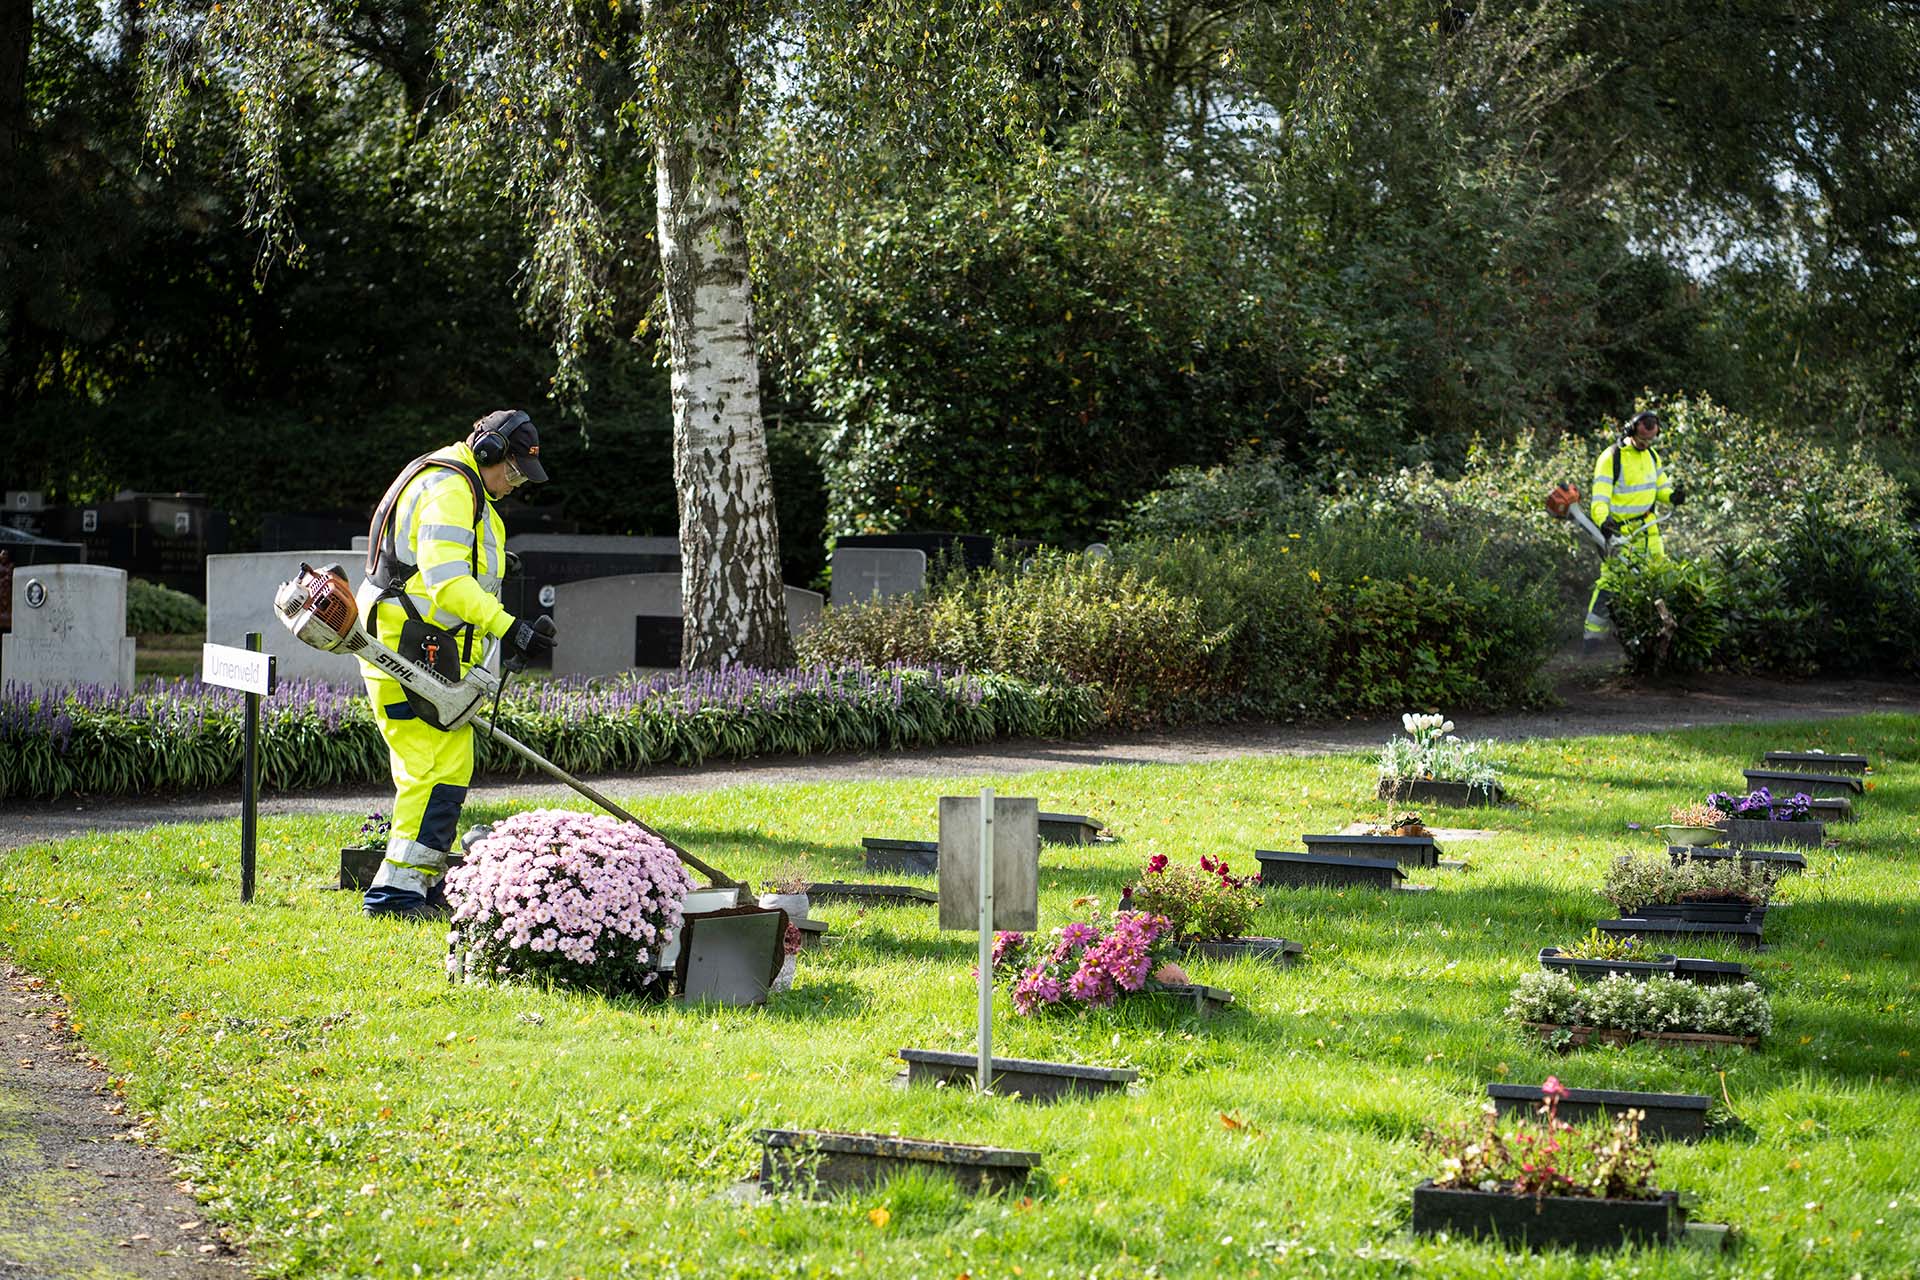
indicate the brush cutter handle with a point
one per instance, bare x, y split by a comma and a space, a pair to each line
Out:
554, 771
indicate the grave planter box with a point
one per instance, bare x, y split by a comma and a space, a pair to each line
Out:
1408, 851
1031, 1080
1205, 1000
1552, 1032
1705, 912
1833, 809
1817, 762
1748, 833
1298, 870
1710, 973
1573, 1222
358, 866
1677, 1117
1778, 861
875, 895
1277, 951
813, 1160
1745, 934
1444, 791
1788, 781
1069, 828
1594, 970
902, 857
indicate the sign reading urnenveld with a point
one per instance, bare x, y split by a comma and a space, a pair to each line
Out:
232, 668
252, 672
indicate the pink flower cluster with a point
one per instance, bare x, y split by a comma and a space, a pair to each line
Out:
1086, 965
563, 892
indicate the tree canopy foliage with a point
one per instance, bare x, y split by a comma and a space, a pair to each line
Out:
1011, 262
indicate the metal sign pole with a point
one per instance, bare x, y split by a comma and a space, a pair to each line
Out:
250, 782
986, 940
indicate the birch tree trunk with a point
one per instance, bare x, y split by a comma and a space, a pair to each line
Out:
730, 587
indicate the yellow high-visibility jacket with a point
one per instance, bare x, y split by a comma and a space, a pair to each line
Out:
434, 530
1641, 495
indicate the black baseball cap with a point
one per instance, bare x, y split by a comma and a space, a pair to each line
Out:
523, 440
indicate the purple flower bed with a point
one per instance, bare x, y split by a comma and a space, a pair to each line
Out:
180, 735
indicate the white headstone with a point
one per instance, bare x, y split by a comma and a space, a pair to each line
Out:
69, 627
1016, 862
597, 618
240, 599
26, 500
862, 574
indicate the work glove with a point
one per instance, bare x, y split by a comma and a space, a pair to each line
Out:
526, 642
1610, 527
1679, 495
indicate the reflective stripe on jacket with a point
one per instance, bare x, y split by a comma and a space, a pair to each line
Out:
435, 531
1643, 482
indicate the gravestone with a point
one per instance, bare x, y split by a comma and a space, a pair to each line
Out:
24, 548
162, 537
1016, 862
284, 531
69, 628
549, 560
862, 575
973, 550
240, 599
610, 625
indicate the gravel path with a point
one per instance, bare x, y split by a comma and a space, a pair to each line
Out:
1588, 707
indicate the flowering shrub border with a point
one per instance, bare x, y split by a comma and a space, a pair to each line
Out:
181, 735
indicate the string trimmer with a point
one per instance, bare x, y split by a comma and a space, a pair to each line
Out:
319, 608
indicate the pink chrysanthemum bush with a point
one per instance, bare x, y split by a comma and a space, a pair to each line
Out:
580, 899
1083, 965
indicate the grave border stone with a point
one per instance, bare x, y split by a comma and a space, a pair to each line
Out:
1326, 870
1680, 1117
827, 1160
1030, 1080
1813, 784
1841, 763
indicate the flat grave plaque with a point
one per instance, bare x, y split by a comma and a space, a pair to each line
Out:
1743, 934
1818, 761
1277, 951
1446, 791
902, 857
1032, 1080
1747, 833
1678, 1117
1781, 861
1299, 870
817, 1160
1070, 828
1814, 784
1408, 851
878, 895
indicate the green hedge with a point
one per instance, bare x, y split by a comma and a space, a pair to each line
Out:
1363, 613
1824, 594
184, 736
154, 610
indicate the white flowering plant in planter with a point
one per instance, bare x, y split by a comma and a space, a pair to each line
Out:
575, 899
1431, 749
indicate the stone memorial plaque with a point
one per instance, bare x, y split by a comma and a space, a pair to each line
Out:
1016, 862
240, 599
862, 575
610, 625
69, 628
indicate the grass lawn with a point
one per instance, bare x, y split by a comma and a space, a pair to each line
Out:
353, 1114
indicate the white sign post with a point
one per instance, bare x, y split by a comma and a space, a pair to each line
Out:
253, 673
986, 940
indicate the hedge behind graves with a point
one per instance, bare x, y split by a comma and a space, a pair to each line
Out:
180, 735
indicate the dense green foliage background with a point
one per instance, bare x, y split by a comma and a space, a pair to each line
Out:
1346, 238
